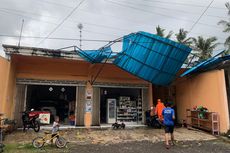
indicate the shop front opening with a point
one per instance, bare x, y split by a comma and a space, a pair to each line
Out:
58, 100
121, 105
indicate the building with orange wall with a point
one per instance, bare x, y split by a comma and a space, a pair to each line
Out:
55, 81
29, 73
208, 89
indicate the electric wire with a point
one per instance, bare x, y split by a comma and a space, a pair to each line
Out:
156, 13
183, 4
53, 23
109, 27
60, 24
201, 16
173, 9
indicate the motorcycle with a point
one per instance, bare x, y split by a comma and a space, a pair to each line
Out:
30, 121
152, 121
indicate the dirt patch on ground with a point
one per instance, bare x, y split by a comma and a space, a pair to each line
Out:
110, 136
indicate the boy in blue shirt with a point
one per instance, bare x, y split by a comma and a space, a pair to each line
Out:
169, 117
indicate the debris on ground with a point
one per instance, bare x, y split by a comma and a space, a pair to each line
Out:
110, 136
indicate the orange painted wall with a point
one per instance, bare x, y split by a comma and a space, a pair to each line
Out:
207, 89
7, 84
62, 69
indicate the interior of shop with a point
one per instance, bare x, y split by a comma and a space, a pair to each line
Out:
126, 108
58, 100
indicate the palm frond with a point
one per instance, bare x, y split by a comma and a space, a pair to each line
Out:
160, 31
169, 34
227, 5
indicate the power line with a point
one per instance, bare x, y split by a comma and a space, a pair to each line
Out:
26, 12
201, 15
167, 8
183, 4
150, 1
215, 26
147, 11
75, 8
21, 33
98, 25
156, 13
53, 23
73, 39
53, 38
53, 3
71, 20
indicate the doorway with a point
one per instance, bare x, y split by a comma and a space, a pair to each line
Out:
58, 100
128, 104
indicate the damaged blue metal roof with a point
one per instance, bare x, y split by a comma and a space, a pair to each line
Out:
147, 56
96, 56
206, 65
151, 57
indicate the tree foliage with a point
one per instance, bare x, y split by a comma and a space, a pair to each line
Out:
226, 25
204, 47
182, 37
161, 32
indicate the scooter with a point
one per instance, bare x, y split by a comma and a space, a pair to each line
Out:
30, 121
152, 121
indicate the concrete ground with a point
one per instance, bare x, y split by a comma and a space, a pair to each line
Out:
129, 140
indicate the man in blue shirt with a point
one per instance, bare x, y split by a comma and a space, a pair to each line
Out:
169, 117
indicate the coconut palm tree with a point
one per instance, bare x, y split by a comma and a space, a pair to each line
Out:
226, 25
181, 37
161, 32
204, 47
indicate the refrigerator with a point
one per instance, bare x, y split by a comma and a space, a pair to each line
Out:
111, 110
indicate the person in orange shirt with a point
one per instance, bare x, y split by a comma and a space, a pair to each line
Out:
159, 108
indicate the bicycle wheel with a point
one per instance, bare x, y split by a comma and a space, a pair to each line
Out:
60, 142
38, 142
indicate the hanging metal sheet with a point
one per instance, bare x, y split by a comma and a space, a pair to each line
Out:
151, 57
206, 65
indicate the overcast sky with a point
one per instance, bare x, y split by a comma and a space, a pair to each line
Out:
105, 20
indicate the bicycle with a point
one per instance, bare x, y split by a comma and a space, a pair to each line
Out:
39, 142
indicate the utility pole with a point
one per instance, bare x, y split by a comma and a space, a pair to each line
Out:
19, 42
80, 27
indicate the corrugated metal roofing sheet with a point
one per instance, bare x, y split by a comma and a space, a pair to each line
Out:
205, 65
96, 56
151, 57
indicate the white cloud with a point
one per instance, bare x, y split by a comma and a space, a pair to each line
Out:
106, 19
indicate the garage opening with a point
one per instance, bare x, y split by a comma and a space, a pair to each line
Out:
58, 100
121, 105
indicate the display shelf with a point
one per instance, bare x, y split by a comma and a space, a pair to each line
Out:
129, 110
208, 122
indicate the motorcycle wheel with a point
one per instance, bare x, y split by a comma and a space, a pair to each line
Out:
60, 142
36, 126
38, 142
